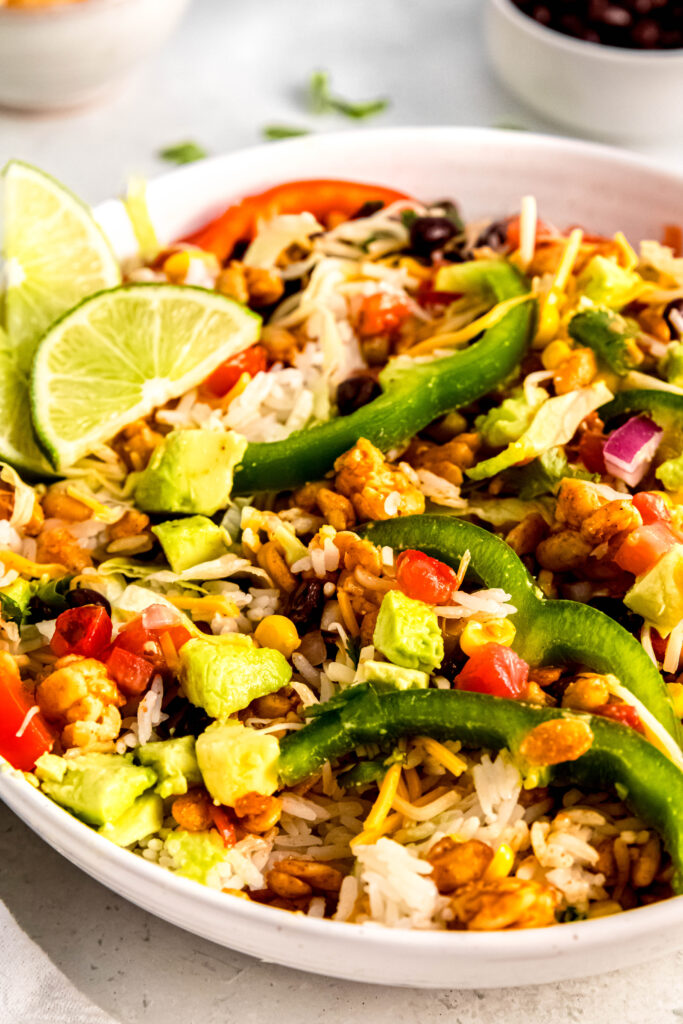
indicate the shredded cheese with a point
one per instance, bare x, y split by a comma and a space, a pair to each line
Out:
549, 318
454, 338
31, 713
655, 732
528, 221
445, 757
424, 812
462, 569
100, 511
629, 257
646, 642
210, 604
381, 807
26, 567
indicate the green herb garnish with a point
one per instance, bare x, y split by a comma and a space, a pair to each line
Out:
324, 102
183, 153
272, 132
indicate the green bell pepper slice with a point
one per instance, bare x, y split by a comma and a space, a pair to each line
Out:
413, 396
547, 631
609, 335
618, 758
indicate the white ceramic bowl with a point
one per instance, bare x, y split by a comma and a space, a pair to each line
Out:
602, 91
486, 172
67, 54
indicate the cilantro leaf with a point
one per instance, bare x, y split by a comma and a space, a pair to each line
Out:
323, 101
283, 131
183, 153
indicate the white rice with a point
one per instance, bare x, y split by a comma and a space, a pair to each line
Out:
393, 879
482, 604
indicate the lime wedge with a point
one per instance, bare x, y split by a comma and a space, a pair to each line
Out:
122, 353
55, 254
18, 445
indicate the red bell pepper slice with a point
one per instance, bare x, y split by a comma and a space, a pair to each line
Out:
252, 361
22, 741
320, 197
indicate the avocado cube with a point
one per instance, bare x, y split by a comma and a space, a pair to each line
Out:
195, 854
142, 818
98, 788
235, 760
407, 633
188, 542
385, 676
225, 677
175, 763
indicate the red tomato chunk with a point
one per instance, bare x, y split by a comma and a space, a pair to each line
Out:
652, 507
424, 578
21, 742
381, 313
644, 546
624, 713
496, 670
85, 631
252, 361
130, 672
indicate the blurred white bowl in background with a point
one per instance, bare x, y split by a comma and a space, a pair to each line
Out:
67, 54
602, 91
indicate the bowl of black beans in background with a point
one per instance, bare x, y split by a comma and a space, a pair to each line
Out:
610, 69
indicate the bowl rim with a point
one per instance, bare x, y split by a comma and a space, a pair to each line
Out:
65, 832
583, 47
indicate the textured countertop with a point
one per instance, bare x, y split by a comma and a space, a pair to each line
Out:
231, 69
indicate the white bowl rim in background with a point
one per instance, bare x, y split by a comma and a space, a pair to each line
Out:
179, 201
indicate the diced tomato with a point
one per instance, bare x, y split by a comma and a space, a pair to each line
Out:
652, 507
321, 197
130, 672
624, 713
644, 546
36, 737
496, 670
224, 824
381, 313
512, 236
143, 641
591, 445
85, 630
428, 296
223, 379
424, 578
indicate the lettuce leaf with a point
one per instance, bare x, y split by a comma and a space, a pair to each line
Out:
554, 424
545, 474
509, 420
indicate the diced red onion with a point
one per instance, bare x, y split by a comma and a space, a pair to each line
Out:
630, 449
156, 616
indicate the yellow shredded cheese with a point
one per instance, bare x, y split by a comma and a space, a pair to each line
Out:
625, 250
24, 566
454, 764
100, 511
465, 334
528, 220
381, 807
549, 316
423, 812
210, 604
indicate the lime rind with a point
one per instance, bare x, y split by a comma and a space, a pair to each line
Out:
18, 445
56, 253
122, 353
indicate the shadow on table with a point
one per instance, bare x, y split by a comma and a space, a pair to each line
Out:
142, 970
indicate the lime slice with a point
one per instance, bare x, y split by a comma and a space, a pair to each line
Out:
55, 254
18, 445
122, 353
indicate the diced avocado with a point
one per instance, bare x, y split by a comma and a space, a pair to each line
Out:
50, 768
224, 678
658, 594
14, 600
407, 633
99, 787
175, 763
391, 677
610, 335
188, 542
607, 284
191, 471
195, 854
235, 760
141, 819
671, 473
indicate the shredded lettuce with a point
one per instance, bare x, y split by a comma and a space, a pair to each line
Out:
276, 235
555, 423
499, 512
509, 420
545, 474
138, 213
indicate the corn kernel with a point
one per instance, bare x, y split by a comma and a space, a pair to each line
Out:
555, 354
279, 633
676, 694
501, 865
548, 320
176, 267
494, 631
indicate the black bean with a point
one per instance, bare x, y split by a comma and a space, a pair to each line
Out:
355, 392
184, 719
41, 611
632, 24
430, 233
494, 236
617, 610
306, 604
83, 595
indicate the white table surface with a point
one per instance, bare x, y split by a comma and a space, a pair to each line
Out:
233, 68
